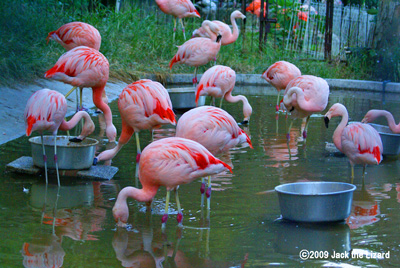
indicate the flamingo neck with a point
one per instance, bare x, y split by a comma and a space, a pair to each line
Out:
111, 131
337, 135
235, 30
142, 195
88, 127
247, 109
392, 124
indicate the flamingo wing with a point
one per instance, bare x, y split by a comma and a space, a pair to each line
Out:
216, 82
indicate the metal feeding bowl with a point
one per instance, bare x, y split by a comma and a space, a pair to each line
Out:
71, 155
315, 201
184, 98
390, 140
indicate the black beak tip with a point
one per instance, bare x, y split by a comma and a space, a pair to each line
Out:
291, 110
244, 122
75, 140
326, 119
95, 161
244, 20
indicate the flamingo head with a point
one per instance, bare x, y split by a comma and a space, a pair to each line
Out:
370, 116
121, 213
336, 110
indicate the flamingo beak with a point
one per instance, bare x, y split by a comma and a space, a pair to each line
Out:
326, 119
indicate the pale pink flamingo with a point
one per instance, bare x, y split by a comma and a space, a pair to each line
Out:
196, 52
179, 9
218, 82
75, 34
86, 67
144, 104
228, 35
360, 142
372, 115
279, 75
255, 8
304, 96
213, 128
45, 111
168, 162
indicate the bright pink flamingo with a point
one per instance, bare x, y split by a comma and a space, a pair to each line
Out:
228, 36
255, 8
86, 67
360, 142
372, 115
168, 162
75, 34
144, 104
218, 82
179, 9
279, 75
45, 111
196, 52
213, 128
304, 96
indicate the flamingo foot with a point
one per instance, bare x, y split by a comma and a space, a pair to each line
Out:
305, 134
179, 218
138, 157
208, 193
164, 218
203, 188
277, 108
288, 136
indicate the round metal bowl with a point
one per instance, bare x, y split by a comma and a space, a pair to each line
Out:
315, 201
185, 98
71, 155
390, 140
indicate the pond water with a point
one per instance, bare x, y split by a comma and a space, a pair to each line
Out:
77, 229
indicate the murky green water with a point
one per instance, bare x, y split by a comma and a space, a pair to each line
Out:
245, 228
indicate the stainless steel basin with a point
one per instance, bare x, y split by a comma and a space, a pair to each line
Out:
184, 98
315, 201
390, 140
71, 155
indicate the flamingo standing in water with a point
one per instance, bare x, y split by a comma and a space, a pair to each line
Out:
360, 142
218, 82
196, 52
213, 128
144, 104
279, 75
45, 111
86, 67
179, 9
168, 162
228, 36
304, 96
372, 115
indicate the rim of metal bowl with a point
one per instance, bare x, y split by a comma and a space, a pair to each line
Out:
384, 133
351, 189
92, 143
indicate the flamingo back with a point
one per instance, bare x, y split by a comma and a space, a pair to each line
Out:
255, 8
280, 74
45, 110
178, 8
75, 34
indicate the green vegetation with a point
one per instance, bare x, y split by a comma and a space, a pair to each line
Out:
135, 41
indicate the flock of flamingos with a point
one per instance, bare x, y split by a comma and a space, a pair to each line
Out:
201, 132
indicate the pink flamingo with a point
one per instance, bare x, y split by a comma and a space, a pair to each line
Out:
144, 104
168, 162
255, 8
213, 128
228, 36
75, 34
304, 96
360, 142
85, 67
179, 9
372, 115
279, 75
196, 52
218, 82
45, 111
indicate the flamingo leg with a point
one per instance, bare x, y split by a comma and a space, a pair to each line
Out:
202, 191
55, 158
179, 217
208, 194
195, 77
80, 99
277, 101
139, 152
352, 174
69, 92
306, 127
44, 160
173, 37
363, 176
288, 133
165, 216
220, 104
183, 29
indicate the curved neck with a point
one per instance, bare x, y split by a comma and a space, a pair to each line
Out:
142, 195
247, 109
337, 135
235, 29
299, 98
392, 124
88, 127
111, 131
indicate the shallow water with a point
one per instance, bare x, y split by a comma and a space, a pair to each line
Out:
245, 229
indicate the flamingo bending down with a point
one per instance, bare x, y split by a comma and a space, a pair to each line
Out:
179, 9
86, 67
304, 96
196, 52
228, 36
213, 128
279, 75
168, 162
360, 142
45, 111
144, 104
218, 82
372, 115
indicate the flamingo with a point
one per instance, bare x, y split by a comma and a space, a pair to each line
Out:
144, 104
196, 52
213, 128
86, 67
228, 36
360, 142
255, 8
304, 96
168, 162
45, 111
372, 115
279, 75
179, 9
218, 82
